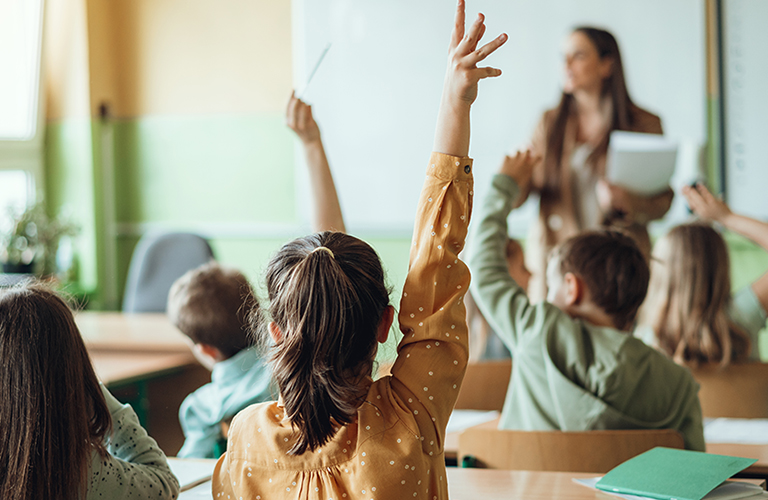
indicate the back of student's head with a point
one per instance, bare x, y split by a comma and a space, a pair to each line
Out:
210, 304
327, 297
52, 412
612, 268
690, 294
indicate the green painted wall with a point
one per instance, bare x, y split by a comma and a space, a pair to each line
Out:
69, 189
182, 171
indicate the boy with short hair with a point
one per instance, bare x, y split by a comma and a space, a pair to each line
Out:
210, 305
575, 365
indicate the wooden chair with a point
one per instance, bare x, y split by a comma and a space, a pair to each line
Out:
588, 451
737, 391
485, 386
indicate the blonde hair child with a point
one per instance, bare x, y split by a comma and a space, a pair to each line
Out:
690, 309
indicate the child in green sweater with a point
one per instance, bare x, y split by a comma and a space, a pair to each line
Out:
575, 366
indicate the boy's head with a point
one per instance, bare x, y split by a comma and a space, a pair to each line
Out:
599, 274
210, 305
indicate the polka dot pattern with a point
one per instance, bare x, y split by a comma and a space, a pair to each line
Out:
393, 449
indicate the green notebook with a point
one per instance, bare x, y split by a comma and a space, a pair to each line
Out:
670, 474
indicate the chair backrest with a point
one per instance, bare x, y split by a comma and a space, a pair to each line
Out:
587, 451
158, 261
736, 391
484, 386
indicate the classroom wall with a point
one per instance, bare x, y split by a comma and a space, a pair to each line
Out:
68, 147
196, 92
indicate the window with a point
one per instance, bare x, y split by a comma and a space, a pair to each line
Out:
20, 44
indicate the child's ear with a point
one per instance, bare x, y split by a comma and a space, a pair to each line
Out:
574, 289
386, 323
274, 332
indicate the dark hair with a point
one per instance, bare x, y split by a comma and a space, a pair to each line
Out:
613, 269
327, 295
52, 411
210, 305
691, 286
622, 119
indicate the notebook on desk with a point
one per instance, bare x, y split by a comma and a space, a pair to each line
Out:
671, 474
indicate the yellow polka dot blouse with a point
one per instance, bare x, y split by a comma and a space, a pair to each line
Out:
395, 447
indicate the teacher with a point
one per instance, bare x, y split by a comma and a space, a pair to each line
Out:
570, 145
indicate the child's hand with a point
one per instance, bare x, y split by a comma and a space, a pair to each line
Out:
298, 117
460, 86
520, 167
705, 204
463, 74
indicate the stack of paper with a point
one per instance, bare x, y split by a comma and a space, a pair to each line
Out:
641, 163
670, 474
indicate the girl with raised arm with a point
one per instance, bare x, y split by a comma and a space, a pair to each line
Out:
335, 433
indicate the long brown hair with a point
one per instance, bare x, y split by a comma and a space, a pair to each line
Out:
327, 295
689, 297
52, 412
614, 86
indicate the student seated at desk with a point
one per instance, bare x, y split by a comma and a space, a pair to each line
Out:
575, 366
210, 305
63, 435
336, 433
690, 313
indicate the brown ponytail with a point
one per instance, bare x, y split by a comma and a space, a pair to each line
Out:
327, 296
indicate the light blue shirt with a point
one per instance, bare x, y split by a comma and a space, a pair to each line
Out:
237, 382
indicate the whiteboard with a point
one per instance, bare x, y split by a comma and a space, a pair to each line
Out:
745, 45
377, 92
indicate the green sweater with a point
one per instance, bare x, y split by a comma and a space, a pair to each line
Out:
568, 374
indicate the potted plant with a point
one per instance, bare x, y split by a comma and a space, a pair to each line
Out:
33, 241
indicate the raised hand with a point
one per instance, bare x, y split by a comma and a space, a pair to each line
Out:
520, 167
705, 204
298, 117
460, 85
463, 74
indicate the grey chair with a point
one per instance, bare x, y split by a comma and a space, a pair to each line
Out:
158, 261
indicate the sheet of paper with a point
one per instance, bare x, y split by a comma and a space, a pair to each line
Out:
736, 430
641, 163
191, 472
464, 419
200, 492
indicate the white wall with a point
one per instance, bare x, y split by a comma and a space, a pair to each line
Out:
377, 92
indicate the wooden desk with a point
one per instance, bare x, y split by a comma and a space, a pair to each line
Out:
129, 332
145, 361
119, 368
758, 451
471, 484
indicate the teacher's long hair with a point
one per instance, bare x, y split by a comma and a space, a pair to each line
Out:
621, 119
52, 412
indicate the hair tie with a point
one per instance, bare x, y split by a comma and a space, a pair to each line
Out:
325, 249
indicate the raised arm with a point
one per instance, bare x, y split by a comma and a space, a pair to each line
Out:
327, 211
502, 301
707, 206
433, 354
